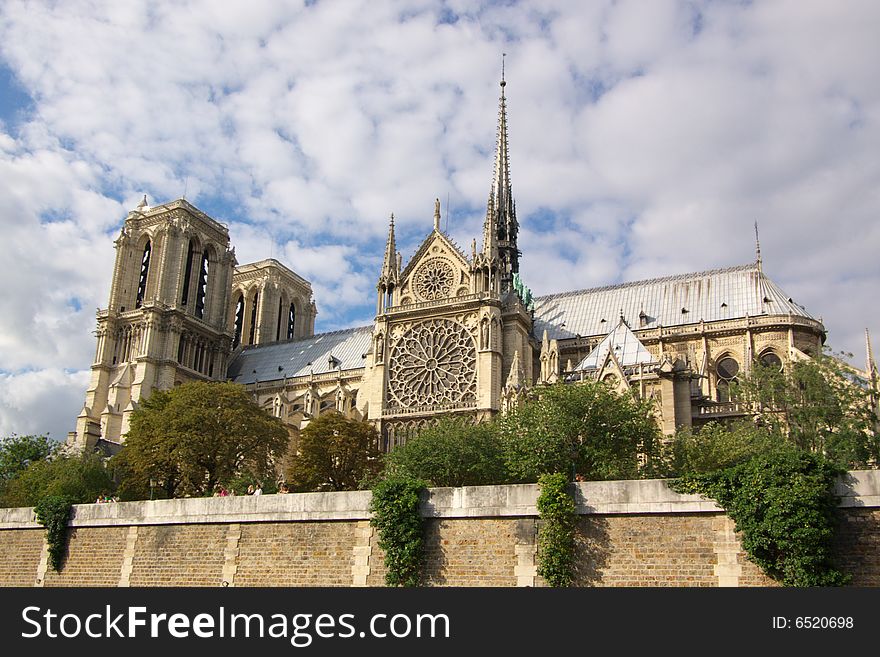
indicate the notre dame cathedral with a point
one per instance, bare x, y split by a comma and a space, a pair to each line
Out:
454, 332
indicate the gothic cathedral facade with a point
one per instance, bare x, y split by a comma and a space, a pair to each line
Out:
454, 332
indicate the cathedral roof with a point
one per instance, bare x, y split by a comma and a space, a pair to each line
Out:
709, 296
318, 354
628, 350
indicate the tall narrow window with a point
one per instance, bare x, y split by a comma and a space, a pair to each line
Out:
239, 322
203, 287
291, 321
280, 315
184, 296
142, 281
253, 331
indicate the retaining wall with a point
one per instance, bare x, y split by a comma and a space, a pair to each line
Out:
630, 533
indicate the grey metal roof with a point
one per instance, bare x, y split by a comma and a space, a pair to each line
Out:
628, 350
301, 357
710, 296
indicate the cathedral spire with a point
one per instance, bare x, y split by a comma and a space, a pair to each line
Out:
390, 275
501, 227
389, 264
758, 260
870, 363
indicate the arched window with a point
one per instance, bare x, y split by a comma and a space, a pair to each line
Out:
770, 360
239, 321
726, 370
203, 287
291, 321
253, 332
142, 281
187, 275
280, 316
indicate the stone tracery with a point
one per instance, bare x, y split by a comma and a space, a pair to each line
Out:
433, 364
434, 279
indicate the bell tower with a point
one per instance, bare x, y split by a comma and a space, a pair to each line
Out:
166, 320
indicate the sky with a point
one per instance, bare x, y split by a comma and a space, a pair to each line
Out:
646, 138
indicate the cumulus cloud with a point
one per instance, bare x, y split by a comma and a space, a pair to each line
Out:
645, 140
41, 402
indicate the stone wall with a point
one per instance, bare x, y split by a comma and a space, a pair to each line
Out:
631, 533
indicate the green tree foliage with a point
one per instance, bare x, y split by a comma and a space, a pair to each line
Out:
585, 429
396, 517
556, 536
194, 437
18, 452
452, 452
716, 446
78, 478
784, 504
334, 453
819, 405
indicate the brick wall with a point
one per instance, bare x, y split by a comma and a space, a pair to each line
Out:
20, 555
858, 545
295, 554
471, 552
646, 550
179, 555
94, 558
629, 534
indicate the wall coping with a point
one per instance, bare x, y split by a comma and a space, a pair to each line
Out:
859, 488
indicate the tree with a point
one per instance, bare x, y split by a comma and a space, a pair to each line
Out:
79, 478
334, 453
585, 429
716, 446
819, 405
452, 452
18, 452
194, 437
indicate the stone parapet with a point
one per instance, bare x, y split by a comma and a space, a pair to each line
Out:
859, 488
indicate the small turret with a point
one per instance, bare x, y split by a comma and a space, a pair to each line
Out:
389, 278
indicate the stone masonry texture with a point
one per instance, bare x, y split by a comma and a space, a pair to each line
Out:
94, 558
19, 556
179, 555
296, 554
470, 552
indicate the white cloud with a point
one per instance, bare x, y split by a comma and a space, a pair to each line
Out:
40, 402
646, 138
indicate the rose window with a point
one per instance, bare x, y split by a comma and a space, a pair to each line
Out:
434, 279
433, 363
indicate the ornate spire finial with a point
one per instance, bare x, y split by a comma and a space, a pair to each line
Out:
758, 249
516, 376
870, 364
503, 83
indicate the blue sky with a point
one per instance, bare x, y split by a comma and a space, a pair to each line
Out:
646, 139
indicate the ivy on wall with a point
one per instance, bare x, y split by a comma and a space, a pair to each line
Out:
396, 516
52, 512
556, 534
784, 504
